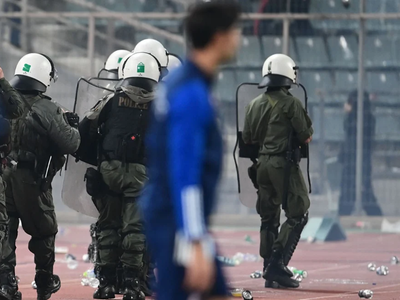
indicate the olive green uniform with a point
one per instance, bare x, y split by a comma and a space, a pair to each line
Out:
120, 236
120, 222
11, 108
269, 121
40, 134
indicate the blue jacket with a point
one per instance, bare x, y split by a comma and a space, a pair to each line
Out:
184, 152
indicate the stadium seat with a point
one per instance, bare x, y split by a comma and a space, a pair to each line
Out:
271, 45
382, 82
314, 81
380, 50
345, 81
248, 77
312, 51
344, 50
226, 86
250, 52
274, 44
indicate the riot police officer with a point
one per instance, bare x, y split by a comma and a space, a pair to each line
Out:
122, 122
11, 107
278, 122
40, 138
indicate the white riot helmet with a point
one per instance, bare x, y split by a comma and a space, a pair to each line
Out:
34, 72
278, 70
110, 69
122, 65
173, 62
142, 65
114, 59
156, 49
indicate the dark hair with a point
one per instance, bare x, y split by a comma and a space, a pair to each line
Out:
205, 19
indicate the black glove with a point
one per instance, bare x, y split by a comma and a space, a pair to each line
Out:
72, 118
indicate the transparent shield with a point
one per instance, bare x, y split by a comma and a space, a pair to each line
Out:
90, 91
73, 194
245, 93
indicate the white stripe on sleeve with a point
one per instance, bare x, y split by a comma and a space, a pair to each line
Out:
192, 212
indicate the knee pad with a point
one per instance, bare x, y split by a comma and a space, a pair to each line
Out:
298, 225
133, 241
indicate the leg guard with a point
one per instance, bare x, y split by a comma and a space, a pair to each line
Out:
294, 237
108, 245
268, 234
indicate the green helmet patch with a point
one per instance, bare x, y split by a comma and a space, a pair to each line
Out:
26, 68
119, 59
140, 68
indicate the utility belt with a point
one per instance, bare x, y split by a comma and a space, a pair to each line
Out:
40, 167
29, 160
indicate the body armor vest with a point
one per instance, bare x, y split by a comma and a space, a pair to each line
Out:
124, 129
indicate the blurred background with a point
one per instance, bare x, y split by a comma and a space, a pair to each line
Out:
322, 36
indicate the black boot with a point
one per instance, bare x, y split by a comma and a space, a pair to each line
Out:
9, 287
278, 272
47, 283
106, 277
132, 285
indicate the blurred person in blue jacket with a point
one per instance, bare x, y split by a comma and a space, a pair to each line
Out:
184, 158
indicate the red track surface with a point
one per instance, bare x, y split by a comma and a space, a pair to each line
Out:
335, 270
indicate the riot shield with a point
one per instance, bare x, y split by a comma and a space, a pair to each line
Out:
245, 93
88, 93
103, 73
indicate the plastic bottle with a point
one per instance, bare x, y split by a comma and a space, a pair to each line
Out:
295, 271
72, 264
368, 294
382, 270
371, 266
